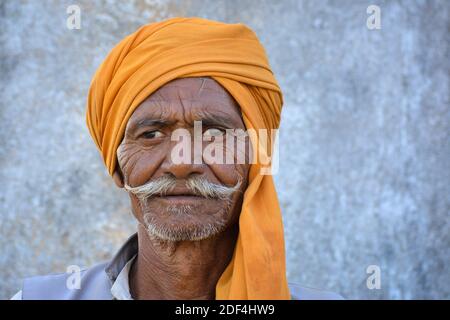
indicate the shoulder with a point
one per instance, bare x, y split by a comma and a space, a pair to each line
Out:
305, 293
75, 285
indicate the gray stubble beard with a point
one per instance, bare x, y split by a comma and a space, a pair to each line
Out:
198, 185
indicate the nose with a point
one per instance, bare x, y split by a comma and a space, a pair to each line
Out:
181, 169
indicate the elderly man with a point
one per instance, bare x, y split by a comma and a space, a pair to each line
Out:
207, 229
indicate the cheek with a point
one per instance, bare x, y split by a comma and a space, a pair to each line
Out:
229, 174
238, 149
139, 163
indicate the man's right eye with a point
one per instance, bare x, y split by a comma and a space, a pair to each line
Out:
152, 134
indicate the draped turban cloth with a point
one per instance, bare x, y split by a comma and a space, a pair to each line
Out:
232, 55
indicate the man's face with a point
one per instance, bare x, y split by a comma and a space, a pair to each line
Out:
190, 200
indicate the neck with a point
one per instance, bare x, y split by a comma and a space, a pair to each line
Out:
180, 270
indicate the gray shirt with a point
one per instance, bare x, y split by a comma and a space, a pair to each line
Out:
117, 271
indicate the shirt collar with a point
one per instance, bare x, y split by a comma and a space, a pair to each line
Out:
125, 254
120, 289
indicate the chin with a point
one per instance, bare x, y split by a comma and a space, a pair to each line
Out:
182, 223
167, 231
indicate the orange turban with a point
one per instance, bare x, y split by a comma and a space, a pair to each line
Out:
232, 55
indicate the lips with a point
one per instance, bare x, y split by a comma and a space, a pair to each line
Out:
181, 196
180, 192
179, 200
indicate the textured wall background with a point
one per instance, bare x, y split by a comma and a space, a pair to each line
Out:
365, 145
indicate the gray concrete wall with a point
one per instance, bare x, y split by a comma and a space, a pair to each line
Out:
365, 148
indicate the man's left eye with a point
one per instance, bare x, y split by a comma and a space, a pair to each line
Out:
214, 132
152, 134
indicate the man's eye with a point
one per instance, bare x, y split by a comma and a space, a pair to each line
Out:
213, 132
152, 134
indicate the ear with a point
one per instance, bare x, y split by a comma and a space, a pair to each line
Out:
118, 177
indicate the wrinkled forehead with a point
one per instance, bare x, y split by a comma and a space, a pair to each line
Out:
193, 94
191, 88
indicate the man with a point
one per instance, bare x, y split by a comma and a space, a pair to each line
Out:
207, 229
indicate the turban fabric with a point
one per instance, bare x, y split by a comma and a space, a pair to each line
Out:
232, 55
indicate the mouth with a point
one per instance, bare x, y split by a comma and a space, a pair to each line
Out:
182, 196
181, 199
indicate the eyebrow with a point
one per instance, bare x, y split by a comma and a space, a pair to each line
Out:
148, 122
153, 122
209, 119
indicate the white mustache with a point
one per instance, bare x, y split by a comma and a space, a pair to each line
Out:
199, 186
